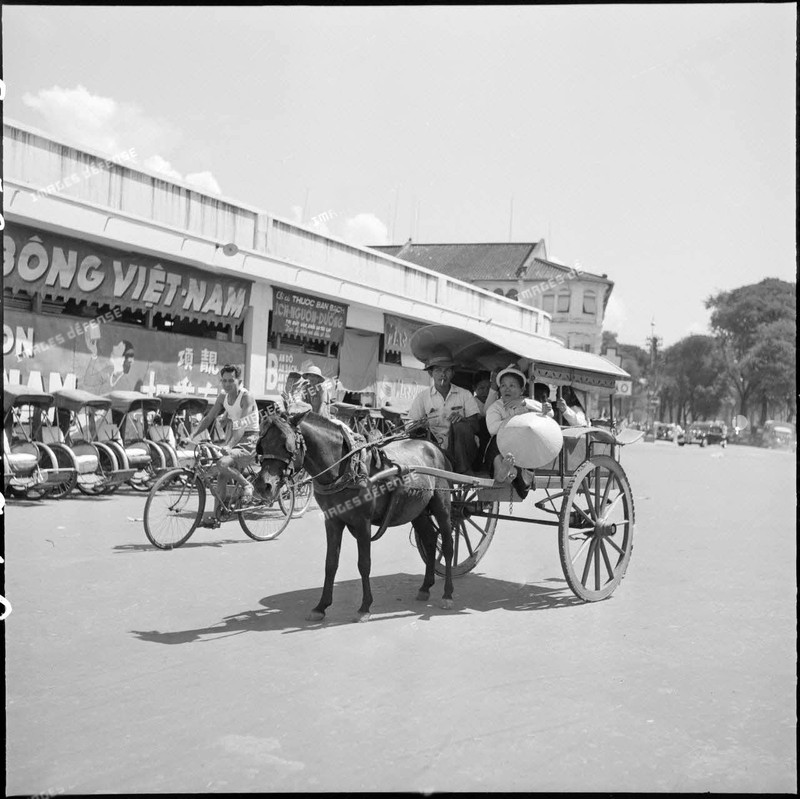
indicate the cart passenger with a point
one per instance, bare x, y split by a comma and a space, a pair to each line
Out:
511, 382
484, 388
451, 412
541, 393
571, 409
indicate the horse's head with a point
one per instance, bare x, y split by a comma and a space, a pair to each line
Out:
281, 451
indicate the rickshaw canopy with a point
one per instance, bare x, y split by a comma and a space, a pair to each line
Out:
550, 361
172, 403
15, 396
126, 401
74, 399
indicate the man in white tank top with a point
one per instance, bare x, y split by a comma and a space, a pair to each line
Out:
239, 446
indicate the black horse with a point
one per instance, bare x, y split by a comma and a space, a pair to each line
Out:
347, 500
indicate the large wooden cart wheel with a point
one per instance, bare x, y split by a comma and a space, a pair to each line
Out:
474, 523
595, 528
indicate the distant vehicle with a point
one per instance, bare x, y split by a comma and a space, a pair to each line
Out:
779, 435
667, 431
705, 433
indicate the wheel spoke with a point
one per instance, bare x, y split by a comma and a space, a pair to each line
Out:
601, 545
586, 490
587, 565
586, 542
584, 514
606, 491
614, 544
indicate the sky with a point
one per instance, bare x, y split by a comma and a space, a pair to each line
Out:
651, 143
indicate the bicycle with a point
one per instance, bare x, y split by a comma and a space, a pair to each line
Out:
176, 503
302, 490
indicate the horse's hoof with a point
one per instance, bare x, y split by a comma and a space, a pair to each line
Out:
315, 615
423, 596
362, 617
447, 604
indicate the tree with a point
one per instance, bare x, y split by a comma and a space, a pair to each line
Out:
773, 368
742, 320
694, 378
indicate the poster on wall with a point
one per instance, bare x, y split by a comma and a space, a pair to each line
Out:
97, 355
307, 317
398, 385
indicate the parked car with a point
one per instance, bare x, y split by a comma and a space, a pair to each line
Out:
667, 431
705, 433
779, 435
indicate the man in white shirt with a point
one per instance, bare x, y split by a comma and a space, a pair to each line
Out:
451, 411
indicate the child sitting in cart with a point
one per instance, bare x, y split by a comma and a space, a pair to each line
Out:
511, 384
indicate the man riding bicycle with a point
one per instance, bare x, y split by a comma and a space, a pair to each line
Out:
239, 447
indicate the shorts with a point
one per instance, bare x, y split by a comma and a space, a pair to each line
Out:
244, 452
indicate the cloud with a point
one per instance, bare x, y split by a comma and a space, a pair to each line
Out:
365, 229
158, 164
204, 181
105, 124
615, 316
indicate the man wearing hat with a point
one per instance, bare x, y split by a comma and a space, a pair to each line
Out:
451, 412
315, 390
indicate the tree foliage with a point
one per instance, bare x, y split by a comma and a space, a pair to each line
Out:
694, 378
757, 331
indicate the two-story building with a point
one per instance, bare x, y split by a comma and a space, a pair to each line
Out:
576, 300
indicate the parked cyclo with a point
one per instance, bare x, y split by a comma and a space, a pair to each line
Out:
454, 515
35, 462
179, 416
101, 468
128, 433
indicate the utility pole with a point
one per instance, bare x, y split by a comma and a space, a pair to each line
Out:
653, 343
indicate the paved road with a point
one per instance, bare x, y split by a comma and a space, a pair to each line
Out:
136, 670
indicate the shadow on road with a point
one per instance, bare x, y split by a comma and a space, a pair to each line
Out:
286, 612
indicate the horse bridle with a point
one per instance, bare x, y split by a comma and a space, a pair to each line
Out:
294, 463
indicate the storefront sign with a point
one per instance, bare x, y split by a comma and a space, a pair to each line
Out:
398, 332
99, 355
307, 317
59, 267
280, 364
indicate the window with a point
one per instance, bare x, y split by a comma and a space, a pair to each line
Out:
500, 292
512, 294
563, 303
589, 303
547, 302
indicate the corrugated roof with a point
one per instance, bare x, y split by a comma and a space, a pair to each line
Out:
465, 261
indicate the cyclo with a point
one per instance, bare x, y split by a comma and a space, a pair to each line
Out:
99, 467
179, 415
31, 467
131, 416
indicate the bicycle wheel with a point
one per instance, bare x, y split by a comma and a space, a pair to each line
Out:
263, 522
302, 494
174, 508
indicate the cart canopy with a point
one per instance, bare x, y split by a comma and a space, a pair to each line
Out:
172, 403
16, 396
549, 361
126, 401
73, 399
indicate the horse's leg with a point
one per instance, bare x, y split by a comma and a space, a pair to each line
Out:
427, 538
333, 532
361, 533
441, 512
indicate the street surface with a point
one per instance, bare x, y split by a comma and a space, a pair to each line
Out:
133, 670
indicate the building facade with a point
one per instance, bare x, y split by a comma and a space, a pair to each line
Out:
117, 278
574, 299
